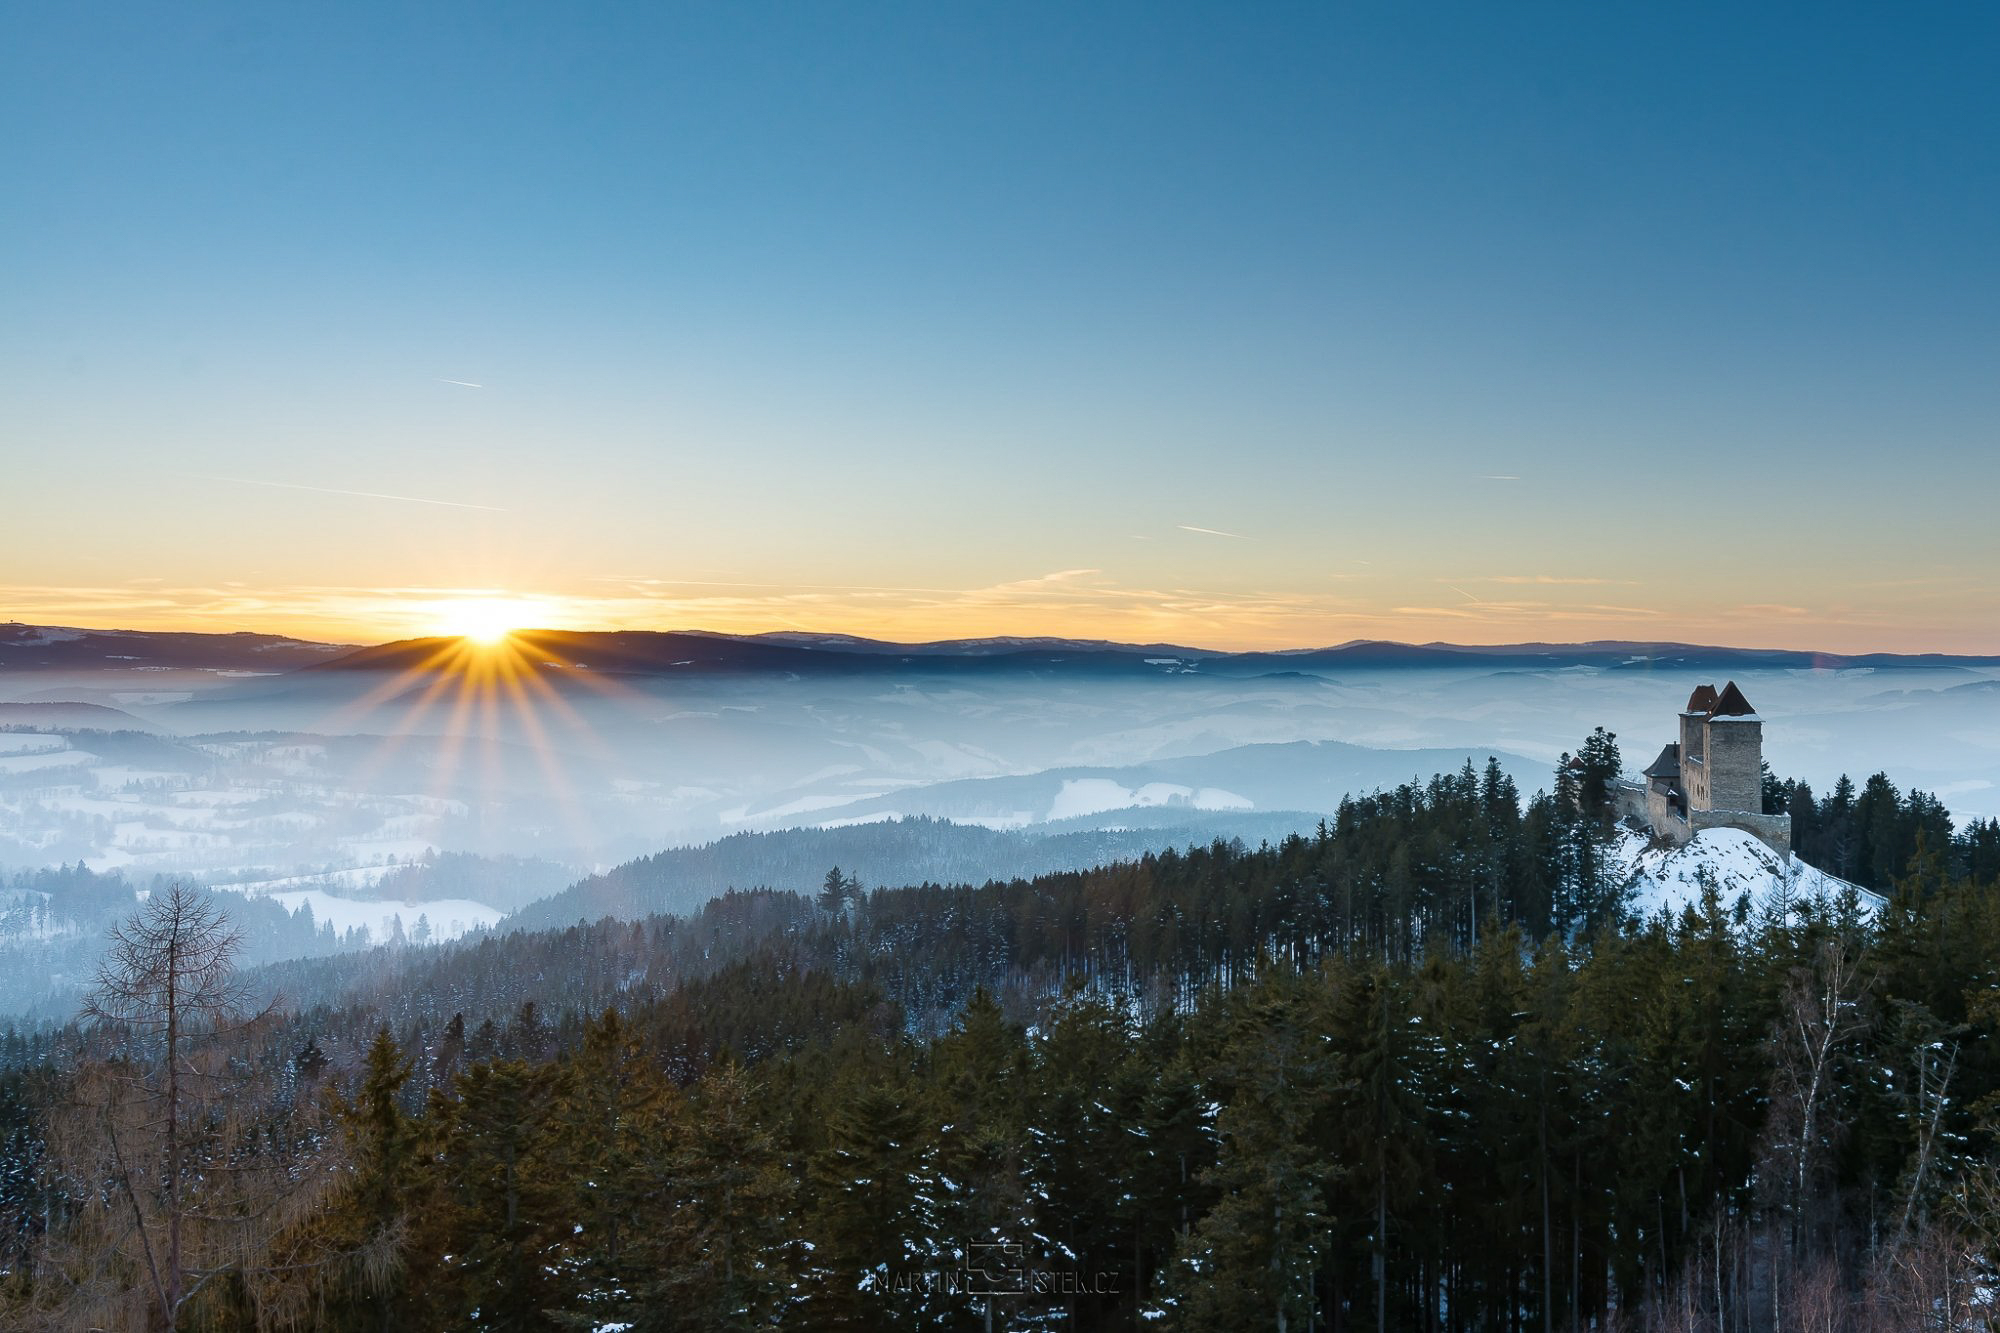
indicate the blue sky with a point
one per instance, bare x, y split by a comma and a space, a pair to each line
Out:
1472, 322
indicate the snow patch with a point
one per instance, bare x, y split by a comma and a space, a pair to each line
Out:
1089, 796
1739, 864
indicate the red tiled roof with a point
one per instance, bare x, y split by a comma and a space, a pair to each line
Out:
1731, 703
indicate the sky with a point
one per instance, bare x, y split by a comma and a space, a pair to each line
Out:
1232, 325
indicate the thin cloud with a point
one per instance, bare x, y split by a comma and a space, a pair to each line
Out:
1766, 610
1550, 580
649, 583
1498, 476
463, 384
1530, 612
1212, 532
365, 495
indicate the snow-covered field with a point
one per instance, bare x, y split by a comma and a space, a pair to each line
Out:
448, 917
222, 814
1669, 879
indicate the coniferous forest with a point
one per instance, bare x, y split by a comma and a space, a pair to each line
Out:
1421, 1070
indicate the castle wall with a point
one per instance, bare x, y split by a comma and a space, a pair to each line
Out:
1664, 820
1734, 776
1774, 830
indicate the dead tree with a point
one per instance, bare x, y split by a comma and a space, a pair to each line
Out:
1820, 1021
182, 1166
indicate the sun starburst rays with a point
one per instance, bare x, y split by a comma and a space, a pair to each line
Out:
485, 701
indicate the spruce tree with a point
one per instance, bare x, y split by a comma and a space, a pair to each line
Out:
1254, 1258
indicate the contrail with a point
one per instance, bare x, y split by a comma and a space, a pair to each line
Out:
366, 495
463, 384
1466, 595
1213, 532
1499, 476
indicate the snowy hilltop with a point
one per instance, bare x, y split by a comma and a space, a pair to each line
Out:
1670, 878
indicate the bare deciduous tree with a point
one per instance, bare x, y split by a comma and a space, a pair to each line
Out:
167, 983
1820, 1022
181, 1166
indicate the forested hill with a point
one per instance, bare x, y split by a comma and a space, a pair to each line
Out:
1398, 874
913, 850
1390, 873
1416, 1070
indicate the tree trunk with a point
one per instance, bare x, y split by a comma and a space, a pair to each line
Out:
172, 1293
1548, 1238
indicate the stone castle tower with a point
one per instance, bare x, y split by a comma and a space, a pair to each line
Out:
1713, 777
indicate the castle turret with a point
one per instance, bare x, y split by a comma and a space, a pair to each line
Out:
1733, 754
1694, 753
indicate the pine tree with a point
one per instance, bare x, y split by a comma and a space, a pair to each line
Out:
1377, 1113
613, 1107
834, 893
389, 1181
1254, 1257
722, 1255
509, 1210
979, 1076
1079, 1156
874, 1220
1598, 768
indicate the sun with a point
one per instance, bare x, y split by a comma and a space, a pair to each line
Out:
486, 620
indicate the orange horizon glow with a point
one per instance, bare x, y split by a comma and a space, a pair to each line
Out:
1935, 614
486, 624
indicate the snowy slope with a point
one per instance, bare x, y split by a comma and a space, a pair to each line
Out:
1671, 878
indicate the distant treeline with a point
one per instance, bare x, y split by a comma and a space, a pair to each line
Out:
910, 850
1871, 836
508, 883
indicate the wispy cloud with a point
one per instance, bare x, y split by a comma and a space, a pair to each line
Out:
1768, 610
365, 495
463, 384
1549, 580
1212, 532
1519, 613
1498, 476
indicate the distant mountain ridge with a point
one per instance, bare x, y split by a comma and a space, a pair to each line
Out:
685, 652
69, 715
64, 647
694, 652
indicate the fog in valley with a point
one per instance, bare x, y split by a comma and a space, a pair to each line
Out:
404, 797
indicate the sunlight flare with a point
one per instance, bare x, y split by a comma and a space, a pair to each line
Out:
487, 620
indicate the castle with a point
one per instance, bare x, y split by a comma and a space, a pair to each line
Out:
1713, 777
